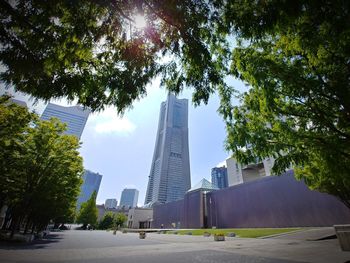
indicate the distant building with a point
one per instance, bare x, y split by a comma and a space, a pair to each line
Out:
91, 183
75, 117
129, 198
140, 218
20, 102
169, 177
111, 203
219, 177
238, 173
100, 211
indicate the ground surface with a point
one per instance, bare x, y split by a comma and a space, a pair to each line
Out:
250, 232
76, 246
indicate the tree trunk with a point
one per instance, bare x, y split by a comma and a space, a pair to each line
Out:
26, 227
14, 226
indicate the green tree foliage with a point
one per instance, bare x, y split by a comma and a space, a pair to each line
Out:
295, 56
88, 212
120, 219
40, 167
107, 222
92, 50
14, 127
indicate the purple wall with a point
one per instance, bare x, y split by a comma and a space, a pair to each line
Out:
193, 210
185, 213
168, 213
276, 201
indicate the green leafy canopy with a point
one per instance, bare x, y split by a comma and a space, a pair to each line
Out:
294, 56
40, 167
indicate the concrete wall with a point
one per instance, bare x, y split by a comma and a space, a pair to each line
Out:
274, 201
140, 215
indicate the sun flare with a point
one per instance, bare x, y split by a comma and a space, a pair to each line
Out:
140, 21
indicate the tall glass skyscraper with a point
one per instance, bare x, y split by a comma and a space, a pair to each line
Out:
75, 117
219, 177
91, 183
169, 177
129, 198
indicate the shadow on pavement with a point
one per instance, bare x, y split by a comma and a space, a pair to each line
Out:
36, 244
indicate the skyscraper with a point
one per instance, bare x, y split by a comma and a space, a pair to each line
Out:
75, 117
169, 177
111, 203
91, 183
219, 177
129, 198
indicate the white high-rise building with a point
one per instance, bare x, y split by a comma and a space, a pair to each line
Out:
75, 117
238, 173
169, 177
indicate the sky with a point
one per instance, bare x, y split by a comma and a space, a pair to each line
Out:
121, 148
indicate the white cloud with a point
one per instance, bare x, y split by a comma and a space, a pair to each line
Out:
108, 121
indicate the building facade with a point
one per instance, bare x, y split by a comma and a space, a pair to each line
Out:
219, 177
20, 102
169, 178
269, 202
91, 183
238, 173
129, 198
140, 218
75, 117
111, 203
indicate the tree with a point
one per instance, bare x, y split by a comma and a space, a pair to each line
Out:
120, 219
88, 212
14, 126
295, 57
107, 222
92, 51
40, 167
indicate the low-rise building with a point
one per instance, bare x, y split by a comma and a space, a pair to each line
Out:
140, 218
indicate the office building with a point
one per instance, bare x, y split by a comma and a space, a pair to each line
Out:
219, 177
129, 198
91, 183
169, 178
238, 173
75, 117
111, 203
19, 102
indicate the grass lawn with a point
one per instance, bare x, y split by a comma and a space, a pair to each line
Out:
240, 232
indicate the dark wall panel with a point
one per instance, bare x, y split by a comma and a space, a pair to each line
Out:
277, 201
168, 214
193, 214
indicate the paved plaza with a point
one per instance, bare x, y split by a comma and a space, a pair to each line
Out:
76, 246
